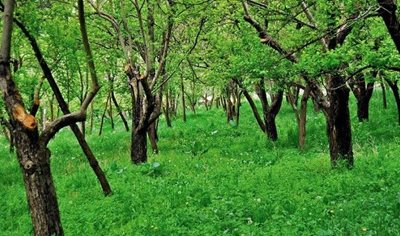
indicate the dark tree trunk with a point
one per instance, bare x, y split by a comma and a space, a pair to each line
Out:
271, 129
363, 109
269, 111
39, 185
153, 137
384, 100
139, 147
388, 14
338, 122
83, 128
395, 90
167, 109
363, 93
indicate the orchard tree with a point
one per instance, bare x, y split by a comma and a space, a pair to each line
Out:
31, 145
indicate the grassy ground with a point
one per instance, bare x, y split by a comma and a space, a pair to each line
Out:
216, 179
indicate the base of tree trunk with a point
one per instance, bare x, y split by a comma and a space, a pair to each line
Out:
139, 147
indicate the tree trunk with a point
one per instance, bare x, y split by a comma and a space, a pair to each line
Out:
363, 93
64, 107
363, 109
384, 100
395, 89
111, 115
39, 185
167, 109
183, 100
338, 122
139, 147
303, 119
153, 137
270, 126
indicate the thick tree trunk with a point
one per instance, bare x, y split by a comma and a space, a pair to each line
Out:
39, 185
270, 126
139, 147
339, 123
363, 109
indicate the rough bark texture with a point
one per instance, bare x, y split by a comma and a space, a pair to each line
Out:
33, 156
338, 122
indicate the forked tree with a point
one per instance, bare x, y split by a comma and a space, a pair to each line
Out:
31, 145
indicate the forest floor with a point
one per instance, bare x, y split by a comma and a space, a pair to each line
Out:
212, 178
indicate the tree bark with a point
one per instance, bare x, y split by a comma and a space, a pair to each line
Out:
167, 109
395, 90
64, 107
384, 100
338, 122
363, 93
153, 137
39, 185
388, 14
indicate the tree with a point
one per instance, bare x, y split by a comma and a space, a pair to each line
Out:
32, 152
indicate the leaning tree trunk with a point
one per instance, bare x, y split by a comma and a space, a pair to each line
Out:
338, 122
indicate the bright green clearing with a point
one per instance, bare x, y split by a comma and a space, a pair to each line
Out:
213, 179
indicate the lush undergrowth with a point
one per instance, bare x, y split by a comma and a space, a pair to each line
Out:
212, 178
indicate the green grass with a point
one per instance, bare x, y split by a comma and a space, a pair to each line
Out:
216, 179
